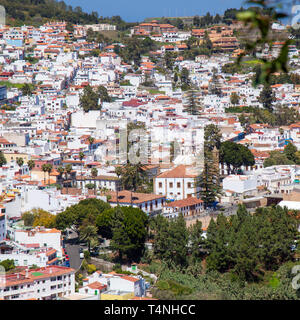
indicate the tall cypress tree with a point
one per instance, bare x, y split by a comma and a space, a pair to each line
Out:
209, 180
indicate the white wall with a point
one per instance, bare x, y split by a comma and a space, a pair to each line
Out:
83, 119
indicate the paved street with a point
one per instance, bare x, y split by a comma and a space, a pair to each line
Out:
72, 249
73, 252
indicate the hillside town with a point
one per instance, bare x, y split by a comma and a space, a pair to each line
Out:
87, 122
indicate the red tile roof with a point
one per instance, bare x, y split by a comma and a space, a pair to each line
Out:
184, 203
181, 171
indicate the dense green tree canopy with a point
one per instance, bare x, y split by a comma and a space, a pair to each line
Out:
89, 100
74, 216
235, 155
277, 158
129, 231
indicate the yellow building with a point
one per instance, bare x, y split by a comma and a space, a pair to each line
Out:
12, 156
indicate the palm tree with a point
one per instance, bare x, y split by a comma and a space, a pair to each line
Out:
81, 156
132, 175
45, 169
68, 170
20, 162
31, 165
94, 174
61, 171
49, 169
89, 234
91, 141
118, 172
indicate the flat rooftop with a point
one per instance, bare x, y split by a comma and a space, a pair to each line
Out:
78, 296
117, 292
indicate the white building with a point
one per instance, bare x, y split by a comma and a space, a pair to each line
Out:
177, 184
188, 207
149, 203
28, 255
240, 184
49, 283
39, 235
113, 283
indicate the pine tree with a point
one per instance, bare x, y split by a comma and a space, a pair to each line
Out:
120, 240
276, 234
160, 227
179, 241
192, 107
196, 241
215, 86
212, 137
244, 251
209, 182
242, 245
217, 244
267, 97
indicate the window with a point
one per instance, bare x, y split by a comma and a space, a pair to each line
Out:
160, 185
171, 184
178, 184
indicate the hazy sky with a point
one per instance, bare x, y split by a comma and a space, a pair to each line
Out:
138, 10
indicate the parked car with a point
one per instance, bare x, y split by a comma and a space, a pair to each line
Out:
95, 252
